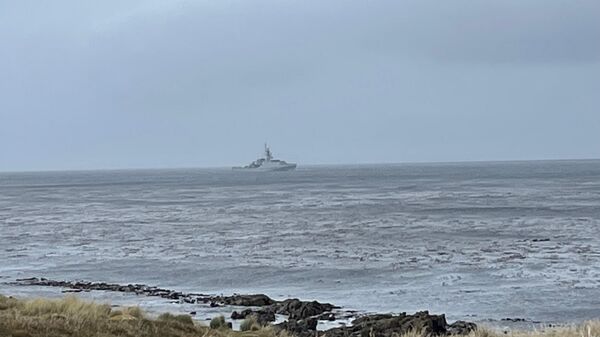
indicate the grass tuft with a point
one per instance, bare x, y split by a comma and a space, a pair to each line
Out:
182, 319
218, 322
136, 312
250, 324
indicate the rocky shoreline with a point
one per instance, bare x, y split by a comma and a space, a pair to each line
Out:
302, 316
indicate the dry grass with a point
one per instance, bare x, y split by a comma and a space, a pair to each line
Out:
589, 329
218, 322
250, 323
75, 318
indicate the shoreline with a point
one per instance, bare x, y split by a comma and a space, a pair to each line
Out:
236, 307
71, 316
302, 317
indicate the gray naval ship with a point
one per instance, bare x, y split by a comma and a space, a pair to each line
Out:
268, 163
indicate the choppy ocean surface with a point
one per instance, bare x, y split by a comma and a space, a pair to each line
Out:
477, 241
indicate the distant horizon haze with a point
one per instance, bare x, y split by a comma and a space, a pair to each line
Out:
307, 165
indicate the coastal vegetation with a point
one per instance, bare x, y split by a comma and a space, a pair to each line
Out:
250, 323
71, 316
218, 322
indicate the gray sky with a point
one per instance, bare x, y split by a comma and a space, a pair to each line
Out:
118, 84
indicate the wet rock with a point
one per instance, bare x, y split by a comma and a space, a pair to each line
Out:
401, 324
302, 327
297, 309
259, 300
29, 279
390, 325
263, 317
461, 328
174, 295
514, 320
327, 317
240, 315
373, 318
138, 289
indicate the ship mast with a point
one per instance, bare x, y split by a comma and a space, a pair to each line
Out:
268, 153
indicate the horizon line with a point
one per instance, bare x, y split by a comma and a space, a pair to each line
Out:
149, 168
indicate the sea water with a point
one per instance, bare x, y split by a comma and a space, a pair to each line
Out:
477, 241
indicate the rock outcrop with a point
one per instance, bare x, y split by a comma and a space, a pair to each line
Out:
301, 328
258, 300
298, 310
303, 316
263, 316
385, 326
461, 328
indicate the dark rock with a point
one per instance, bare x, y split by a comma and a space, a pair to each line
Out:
263, 317
214, 305
302, 327
297, 309
514, 319
461, 328
343, 331
174, 295
326, 317
241, 315
373, 318
258, 300
30, 279
390, 325
193, 313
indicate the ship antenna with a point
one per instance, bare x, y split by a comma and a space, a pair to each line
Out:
268, 153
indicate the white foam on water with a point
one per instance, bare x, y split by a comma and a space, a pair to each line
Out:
493, 240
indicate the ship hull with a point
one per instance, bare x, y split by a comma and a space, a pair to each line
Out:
267, 164
268, 168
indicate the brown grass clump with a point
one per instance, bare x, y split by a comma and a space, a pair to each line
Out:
218, 322
250, 323
588, 329
75, 318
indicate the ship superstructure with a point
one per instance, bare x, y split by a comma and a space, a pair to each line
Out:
268, 163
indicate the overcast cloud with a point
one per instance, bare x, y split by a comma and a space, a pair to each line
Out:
117, 84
